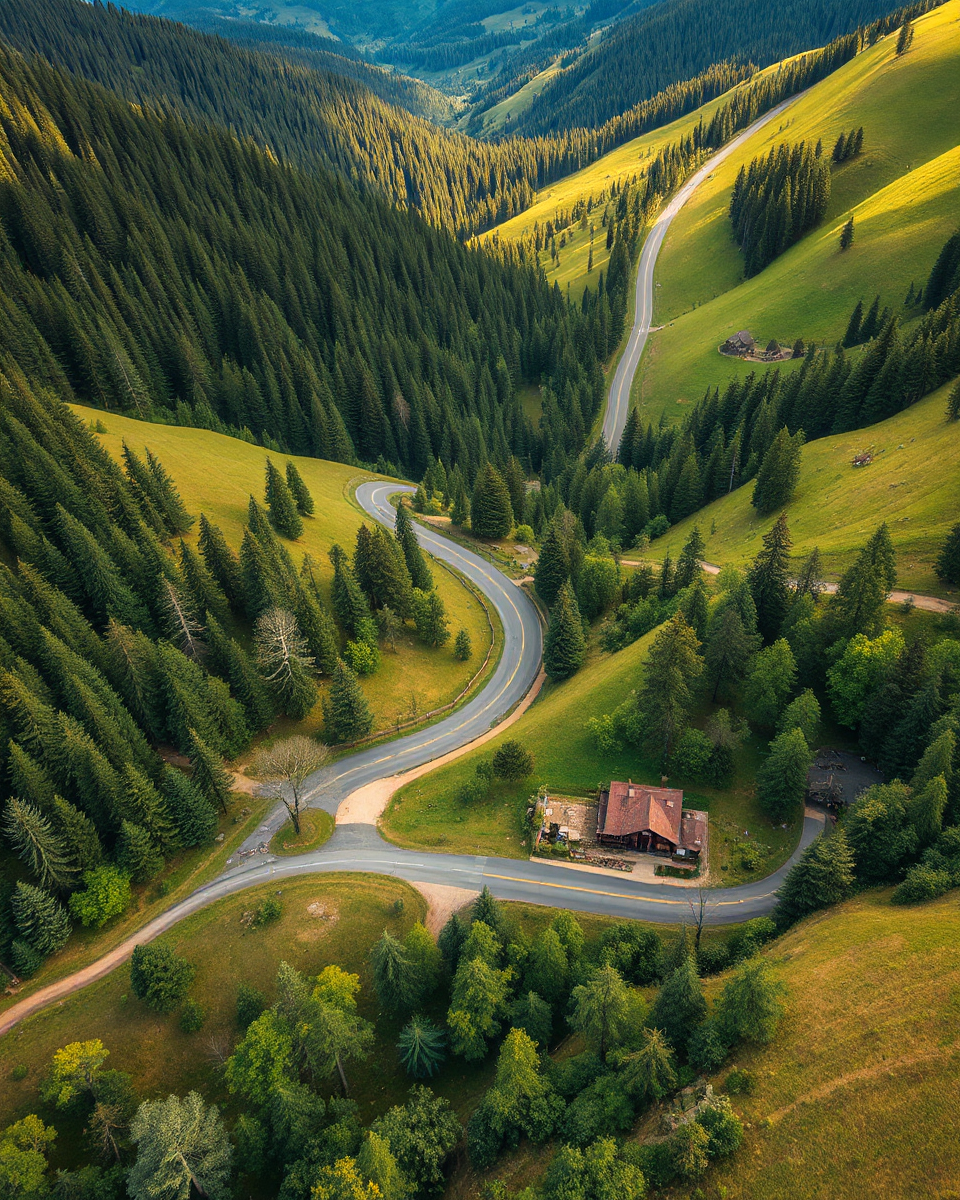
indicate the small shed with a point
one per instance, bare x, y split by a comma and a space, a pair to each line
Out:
739, 344
774, 352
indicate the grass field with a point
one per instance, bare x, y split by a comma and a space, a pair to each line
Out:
913, 484
859, 1084
333, 919
566, 760
903, 192
217, 475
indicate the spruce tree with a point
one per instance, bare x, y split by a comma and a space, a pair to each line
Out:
904, 38
39, 845
462, 646
679, 1007
381, 571
284, 514
430, 618
177, 518
349, 603
79, 834
491, 514
728, 651
221, 561
40, 921
926, 809
823, 876
779, 473
550, 572
422, 1047
690, 559
210, 776
846, 235
953, 403
769, 580
947, 565
137, 853
299, 491
666, 695
406, 537
394, 975
192, 813
782, 777
564, 646
346, 714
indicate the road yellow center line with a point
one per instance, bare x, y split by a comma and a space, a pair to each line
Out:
572, 887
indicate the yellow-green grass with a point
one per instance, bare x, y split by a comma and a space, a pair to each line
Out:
426, 813
328, 919
500, 115
316, 826
913, 484
217, 474
182, 874
903, 193
859, 1083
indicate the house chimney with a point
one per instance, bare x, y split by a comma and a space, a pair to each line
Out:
664, 780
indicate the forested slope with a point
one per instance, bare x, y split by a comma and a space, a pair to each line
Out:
149, 266
678, 39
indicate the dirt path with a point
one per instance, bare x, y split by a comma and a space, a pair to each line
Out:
443, 902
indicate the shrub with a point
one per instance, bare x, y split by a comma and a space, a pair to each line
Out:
525, 534
707, 1049
692, 756
512, 761
723, 1127
657, 527
267, 911
922, 883
738, 1083
712, 958
250, 1004
192, 1017
19, 1072
362, 658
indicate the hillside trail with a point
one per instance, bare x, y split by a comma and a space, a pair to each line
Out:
927, 603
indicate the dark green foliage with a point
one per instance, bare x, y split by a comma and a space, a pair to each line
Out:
42, 848
905, 38
666, 696
281, 505
534, 1016
846, 235
394, 975
947, 565
192, 1016
462, 646
346, 714
422, 1047
421, 1134
159, 977
41, 922
349, 603
299, 491
779, 472
776, 200
250, 1004
707, 1050
491, 514
749, 1008
430, 618
551, 570
512, 761
406, 537
782, 777
565, 645
381, 572
210, 777
823, 876
769, 580
881, 835
137, 853
679, 1007
451, 940
633, 951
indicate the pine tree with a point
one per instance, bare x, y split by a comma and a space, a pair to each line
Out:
462, 646
430, 618
846, 236
299, 491
779, 473
491, 514
40, 921
564, 646
551, 571
823, 876
221, 562
679, 1007
947, 565
192, 813
728, 650
905, 38
346, 714
422, 1047
690, 559
953, 403
349, 603
381, 571
284, 514
782, 777
38, 845
137, 853
210, 776
666, 695
177, 518
394, 975
182, 1147
926, 810
79, 834
769, 580
406, 536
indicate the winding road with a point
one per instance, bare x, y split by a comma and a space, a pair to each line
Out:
618, 398
359, 847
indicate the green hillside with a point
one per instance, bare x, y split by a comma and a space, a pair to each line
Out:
903, 192
217, 475
913, 484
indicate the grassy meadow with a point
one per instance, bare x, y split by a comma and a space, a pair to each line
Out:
903, 192
913, 484
426, 814
218, 474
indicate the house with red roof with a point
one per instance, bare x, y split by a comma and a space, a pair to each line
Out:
633, 816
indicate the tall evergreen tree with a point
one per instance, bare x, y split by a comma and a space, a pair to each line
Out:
947, 565
282, 507
40, 920
564, 646
666, 695
299, 490
769, 580
491, 514
782, 778
346, 714
39, 845
551, 571
394, 975
406, 536
210, 776
823, 876
690, 559
680, 1006
779, 473
349, 603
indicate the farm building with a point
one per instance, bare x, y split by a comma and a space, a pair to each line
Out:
633, 816
739, 344
773, 353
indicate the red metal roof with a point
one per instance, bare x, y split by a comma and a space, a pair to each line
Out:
634, 807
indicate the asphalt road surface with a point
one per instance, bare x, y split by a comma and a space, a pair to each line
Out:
618, 400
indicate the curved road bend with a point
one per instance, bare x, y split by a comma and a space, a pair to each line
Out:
618, 399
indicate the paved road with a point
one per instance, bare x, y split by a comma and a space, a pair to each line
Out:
618, 400
514, 675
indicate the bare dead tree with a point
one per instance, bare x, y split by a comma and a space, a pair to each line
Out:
186, 632
285, 767
280, 644
699, 909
